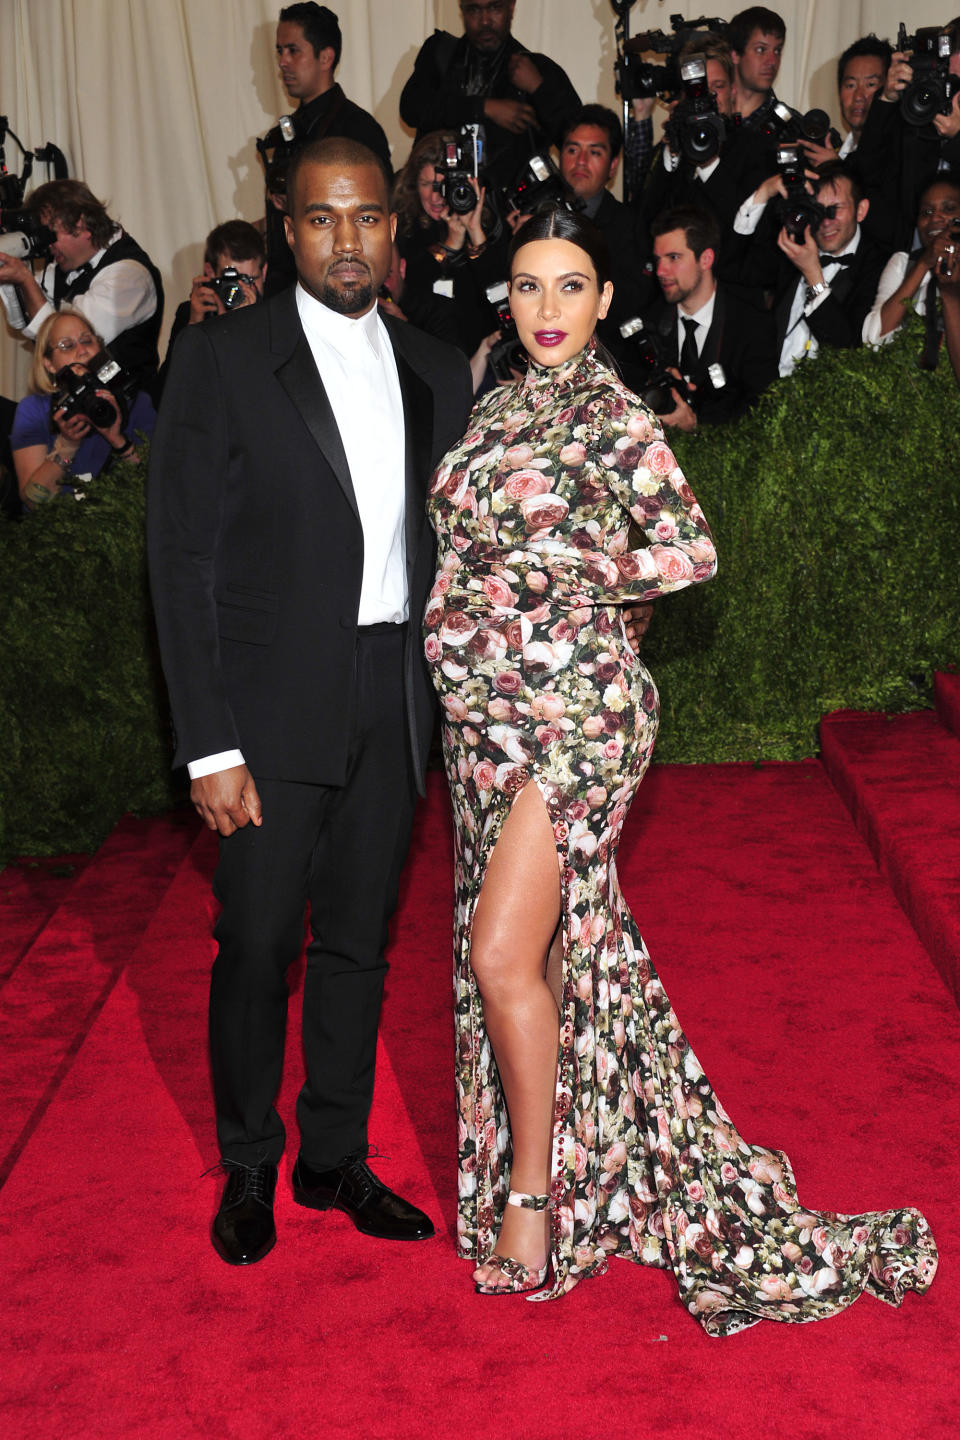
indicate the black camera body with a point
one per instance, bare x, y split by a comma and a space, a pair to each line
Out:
23, 235
648, 352
462, 162
231, 287
507, 354
932, 88
77, 387
786, 128
798, 210
696, 129
638, 79
538, 183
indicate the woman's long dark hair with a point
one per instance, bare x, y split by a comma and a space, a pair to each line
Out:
556, 222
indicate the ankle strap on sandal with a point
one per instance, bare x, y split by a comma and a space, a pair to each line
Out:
528, 1202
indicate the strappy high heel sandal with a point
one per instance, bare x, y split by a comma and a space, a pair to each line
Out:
522, 1279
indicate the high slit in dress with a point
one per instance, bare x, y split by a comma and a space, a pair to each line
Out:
562, 504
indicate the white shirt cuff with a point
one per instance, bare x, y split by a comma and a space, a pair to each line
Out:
747, 217
32, 327
670, 161
210, 764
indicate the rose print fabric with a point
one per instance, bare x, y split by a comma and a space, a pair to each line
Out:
542, 512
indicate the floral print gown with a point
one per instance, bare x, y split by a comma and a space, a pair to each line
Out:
541, 513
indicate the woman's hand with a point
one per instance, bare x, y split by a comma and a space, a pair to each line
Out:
114, 431
636, 622
73, 430
474, 220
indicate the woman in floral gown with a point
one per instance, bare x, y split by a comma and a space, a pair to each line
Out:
578, 1092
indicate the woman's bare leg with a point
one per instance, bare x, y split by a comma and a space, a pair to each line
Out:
514, 925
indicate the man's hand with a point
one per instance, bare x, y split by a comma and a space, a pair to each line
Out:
642, 109
947, 126
806, 257
818, 154
636, 620
684, 417
13, 271
899, 76
227, 800
524, 73
513, 115
203, 300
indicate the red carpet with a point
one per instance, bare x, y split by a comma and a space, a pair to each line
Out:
946, 694
900, 776
808, 996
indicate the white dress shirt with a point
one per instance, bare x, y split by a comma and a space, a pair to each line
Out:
894, 274
704, 319
359, 373
122, 296
798, 340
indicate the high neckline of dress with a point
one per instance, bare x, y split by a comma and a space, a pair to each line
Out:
540, 378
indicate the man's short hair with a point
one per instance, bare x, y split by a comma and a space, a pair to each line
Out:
234, 240
755, 17
76, 207
835, 170
712, 47
867, 45
321, 28
602, 118
701, 228
335, 150
952, 28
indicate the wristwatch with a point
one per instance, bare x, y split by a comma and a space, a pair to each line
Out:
813, 291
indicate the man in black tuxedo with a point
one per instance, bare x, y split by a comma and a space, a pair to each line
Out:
702, 323
290, 560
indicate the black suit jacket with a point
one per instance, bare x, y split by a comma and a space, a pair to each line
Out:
741, 339
256, 546
837, 320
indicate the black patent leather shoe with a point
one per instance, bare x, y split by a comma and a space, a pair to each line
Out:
353, 1188
243, 1229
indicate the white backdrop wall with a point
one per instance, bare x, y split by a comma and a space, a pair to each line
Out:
157, 103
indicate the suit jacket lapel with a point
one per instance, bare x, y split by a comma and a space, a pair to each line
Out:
297, 373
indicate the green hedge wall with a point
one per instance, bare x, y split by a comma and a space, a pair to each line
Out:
836, 508
85, 736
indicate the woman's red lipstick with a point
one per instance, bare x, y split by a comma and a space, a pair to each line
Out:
549, 337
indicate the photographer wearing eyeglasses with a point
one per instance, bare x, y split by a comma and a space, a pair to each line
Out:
71, 425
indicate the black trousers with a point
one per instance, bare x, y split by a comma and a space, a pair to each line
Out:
342, 849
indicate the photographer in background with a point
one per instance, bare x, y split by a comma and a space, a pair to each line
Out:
589, 154
861, 76
96, 267
308, 46
233, 276
898, 158
947, 271
487, 77
907, 278
756, 37
702, 323
49, 448
829, 270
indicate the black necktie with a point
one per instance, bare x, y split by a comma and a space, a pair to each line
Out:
837, 259
689, 354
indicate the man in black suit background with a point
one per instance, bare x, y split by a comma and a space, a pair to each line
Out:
703, 323
290, 562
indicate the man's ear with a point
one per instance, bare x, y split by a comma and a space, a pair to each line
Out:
862, 209
708, 258
288, 230
612, 172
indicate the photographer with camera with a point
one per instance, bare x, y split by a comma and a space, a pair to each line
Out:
96, 267
71, 425
448, 260
308, 47
912, 279
861, 76
819, 216
487, 77
703, 159
756, 37
233, 276
911, 135
719, 349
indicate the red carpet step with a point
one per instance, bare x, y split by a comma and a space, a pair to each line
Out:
946, 697
55, 992
900, 777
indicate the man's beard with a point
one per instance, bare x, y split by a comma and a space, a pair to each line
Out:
353, 301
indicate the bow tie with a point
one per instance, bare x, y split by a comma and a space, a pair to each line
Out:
837, 259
